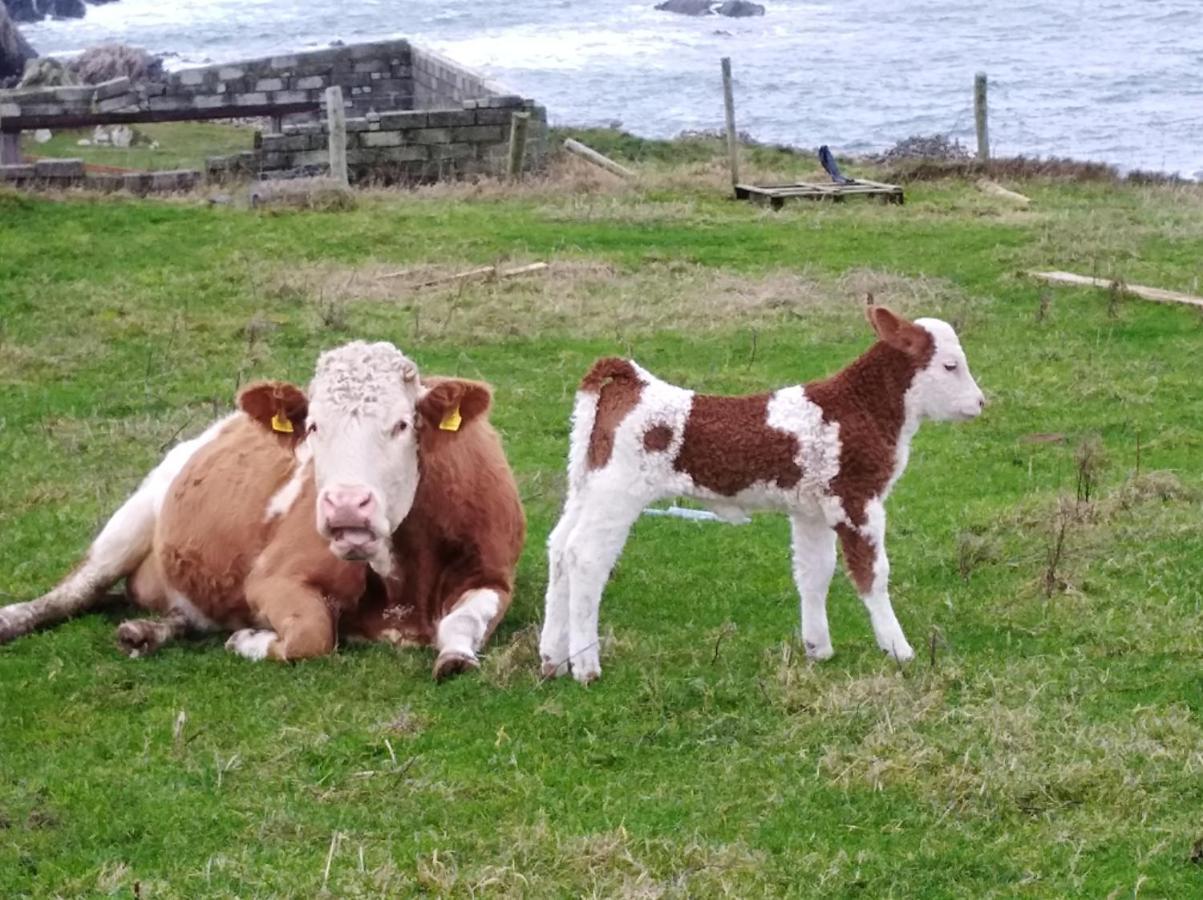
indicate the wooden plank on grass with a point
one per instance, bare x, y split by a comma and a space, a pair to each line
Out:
588, 153
1157, 295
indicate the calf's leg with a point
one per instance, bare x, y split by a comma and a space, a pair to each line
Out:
464, 630
869, 568
553, 641
142, 637
814, 564
301, 625
592, 549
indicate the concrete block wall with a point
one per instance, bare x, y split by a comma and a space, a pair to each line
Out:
373, 76
413, 145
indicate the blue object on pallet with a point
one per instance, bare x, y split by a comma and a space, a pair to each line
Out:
827, 161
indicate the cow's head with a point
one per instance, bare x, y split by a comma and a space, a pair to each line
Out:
942, 387
368, 415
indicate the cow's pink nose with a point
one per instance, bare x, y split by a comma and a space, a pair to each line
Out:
348, 507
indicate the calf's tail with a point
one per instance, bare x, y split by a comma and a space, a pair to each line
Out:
118, 550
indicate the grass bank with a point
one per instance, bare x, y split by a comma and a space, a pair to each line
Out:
1047, 742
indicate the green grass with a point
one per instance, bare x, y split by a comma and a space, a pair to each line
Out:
1047, 742
182, 145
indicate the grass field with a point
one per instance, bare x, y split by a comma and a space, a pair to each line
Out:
182, 145
1048, 740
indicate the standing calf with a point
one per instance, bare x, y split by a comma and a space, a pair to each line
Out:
827, 453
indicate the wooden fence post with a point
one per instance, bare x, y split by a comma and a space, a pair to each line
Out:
336, 122
732, 138
10, 148
518, 124
980, 116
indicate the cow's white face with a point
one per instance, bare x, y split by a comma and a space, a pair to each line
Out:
944, 390
362, 430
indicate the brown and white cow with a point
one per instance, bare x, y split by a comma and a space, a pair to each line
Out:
827, 453
380, 506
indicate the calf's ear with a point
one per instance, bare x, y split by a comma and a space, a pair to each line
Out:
899, 333
451, 403
276, 405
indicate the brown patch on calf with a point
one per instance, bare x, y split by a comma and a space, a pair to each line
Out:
866, 399
618, 386
859, 557
728, 445
657, 438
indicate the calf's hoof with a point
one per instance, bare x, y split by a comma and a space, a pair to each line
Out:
819, 652
453, 662
586, 666
139, 637
899, 652
552, 669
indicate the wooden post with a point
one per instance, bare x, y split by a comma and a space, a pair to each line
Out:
518, 124
980, 117
10, 148
732, 138
336, 121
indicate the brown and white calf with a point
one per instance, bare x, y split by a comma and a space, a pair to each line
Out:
380, 506
827, 453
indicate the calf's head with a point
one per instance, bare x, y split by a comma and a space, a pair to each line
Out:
942, 387
365, 420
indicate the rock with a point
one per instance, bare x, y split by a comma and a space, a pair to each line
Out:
687, 7
47, 72
121, 135
84, 142
15, 51
108, 61
37, 10
740, 9
42, 135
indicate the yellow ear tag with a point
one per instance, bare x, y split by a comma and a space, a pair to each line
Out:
281, 424
452, 421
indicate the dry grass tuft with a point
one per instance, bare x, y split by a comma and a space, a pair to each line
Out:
515, 661
589, 298
313, 194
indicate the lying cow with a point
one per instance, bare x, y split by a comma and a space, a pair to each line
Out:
416, 535
827, 453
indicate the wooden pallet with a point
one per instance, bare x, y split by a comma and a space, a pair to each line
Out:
775, 195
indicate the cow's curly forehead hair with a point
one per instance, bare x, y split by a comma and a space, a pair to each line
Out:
359, 378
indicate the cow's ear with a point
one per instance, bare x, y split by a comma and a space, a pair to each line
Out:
898, 332
451, 403
276, 405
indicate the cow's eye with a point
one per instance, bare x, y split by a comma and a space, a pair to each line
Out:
400, 427
950, 367
312, 428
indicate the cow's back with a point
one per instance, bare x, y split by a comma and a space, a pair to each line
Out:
214, 522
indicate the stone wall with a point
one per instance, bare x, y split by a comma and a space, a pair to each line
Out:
412, 114
411, 145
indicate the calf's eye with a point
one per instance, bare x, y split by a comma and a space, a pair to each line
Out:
312, 429
399, 428
950, 367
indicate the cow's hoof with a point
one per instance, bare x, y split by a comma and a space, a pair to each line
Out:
139, 637
250, 643
451, 663
552, 669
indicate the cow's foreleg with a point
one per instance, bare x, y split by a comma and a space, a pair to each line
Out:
814, 564
300, 623
464, 630
869, 569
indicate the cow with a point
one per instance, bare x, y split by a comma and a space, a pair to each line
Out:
379, 505
826, 453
